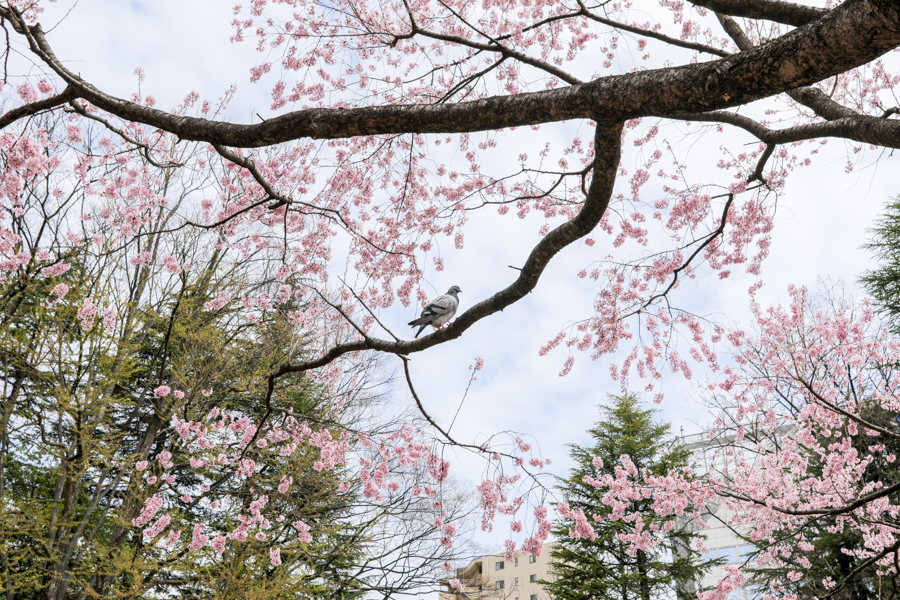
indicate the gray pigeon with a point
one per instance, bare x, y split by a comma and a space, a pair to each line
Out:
439, 311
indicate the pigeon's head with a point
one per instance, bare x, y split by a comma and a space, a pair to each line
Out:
454, 290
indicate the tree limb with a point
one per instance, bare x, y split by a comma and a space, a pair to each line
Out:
851, 35
778, 11
608, 144
26, 110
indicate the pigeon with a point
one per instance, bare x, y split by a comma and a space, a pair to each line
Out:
439, 311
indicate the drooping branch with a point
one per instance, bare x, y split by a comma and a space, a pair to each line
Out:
608, 145
675, 272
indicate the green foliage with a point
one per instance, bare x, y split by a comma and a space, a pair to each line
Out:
584, 569
79, 411
883, 283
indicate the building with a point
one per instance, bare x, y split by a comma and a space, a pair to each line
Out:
492, 577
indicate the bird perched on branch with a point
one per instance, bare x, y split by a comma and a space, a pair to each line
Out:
438, 311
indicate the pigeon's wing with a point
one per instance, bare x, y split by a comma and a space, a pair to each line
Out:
432, 310
439, 311
443, 312
441, 305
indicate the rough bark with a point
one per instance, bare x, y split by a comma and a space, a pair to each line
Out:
851, 35
770, 10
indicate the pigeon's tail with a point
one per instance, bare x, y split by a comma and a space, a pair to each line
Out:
424, 321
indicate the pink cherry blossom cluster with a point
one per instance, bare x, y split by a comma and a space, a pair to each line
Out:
226, 444
827, 359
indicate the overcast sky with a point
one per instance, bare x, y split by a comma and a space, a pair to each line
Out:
183, 45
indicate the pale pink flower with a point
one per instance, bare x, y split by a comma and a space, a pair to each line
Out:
218, 544
198, 540
59, 292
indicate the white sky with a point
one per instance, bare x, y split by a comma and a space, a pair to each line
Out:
182, 45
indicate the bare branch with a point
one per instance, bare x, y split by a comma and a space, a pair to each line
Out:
80, 109
651, 34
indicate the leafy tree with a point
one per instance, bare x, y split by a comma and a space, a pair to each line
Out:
144, 451
597, 562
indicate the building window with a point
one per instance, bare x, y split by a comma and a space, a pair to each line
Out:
517, 581
517, 564
713, 554
500, 584
498, 565
532, 559
534, 597
532, 578
729, 554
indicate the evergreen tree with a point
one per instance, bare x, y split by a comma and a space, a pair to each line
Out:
883, 284
585, 568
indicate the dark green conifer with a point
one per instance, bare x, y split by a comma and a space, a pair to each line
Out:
585, 569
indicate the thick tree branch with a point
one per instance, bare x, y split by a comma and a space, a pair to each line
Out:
851, 35
808, 96
769, 10
608, 144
